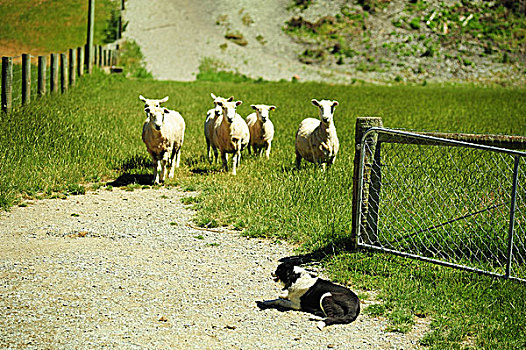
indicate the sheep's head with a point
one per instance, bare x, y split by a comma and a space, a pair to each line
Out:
262, 111
326, 108
150, 102
229, 109
156, 116
218, 99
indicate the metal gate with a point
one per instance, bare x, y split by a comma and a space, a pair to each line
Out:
450, 202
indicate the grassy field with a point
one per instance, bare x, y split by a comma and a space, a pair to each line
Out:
49, 26
90, 137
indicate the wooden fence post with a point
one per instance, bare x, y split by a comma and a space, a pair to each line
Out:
89, 40
53, 74
7, 84
100, 56
71, 72
41, 75
63, 73
362, 125
26, 79
80, 61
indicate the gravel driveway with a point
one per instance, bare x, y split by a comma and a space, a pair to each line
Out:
123, 269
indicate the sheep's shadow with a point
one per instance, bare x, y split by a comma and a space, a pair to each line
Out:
129, 179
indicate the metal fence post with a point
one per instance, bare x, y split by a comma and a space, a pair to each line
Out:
7, 84
53, 74
512, 216
362, 125
26, 79
41, 75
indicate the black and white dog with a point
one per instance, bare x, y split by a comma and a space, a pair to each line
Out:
328, 302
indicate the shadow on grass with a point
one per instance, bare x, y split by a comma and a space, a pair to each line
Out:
332, 249
129, 179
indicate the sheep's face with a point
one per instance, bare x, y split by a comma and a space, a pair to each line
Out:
217, 99
156, 116
326, 108
149, 102
229, 109
262, 111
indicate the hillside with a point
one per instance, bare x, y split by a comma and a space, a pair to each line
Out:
338, 41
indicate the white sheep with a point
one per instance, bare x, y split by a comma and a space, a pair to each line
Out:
261, 129
230, 134
163, 134
316, 140
211, 116
150, 102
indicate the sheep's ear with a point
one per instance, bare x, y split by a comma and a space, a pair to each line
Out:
254, 107
238, 103
213, 96
163, 100
141, 97
230, 99
315, 102
335, 103
272, 108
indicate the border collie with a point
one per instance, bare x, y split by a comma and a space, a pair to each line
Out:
328, 302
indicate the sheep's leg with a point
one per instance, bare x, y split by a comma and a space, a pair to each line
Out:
250, 149
171, 164
267, 150
322, 166
156, 170
215, 154
164, 166
235, 160
224, 159
177, 158
298, 160
209, 151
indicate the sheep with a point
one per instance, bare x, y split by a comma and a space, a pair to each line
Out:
149, 102
163, 134
316, 140
211, 116
230, 134
261, 129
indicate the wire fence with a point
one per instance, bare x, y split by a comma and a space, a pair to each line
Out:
450, 202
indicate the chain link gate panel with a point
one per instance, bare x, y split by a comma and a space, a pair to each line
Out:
450, 202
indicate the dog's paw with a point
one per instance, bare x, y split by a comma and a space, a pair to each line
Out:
263, 304
320, 325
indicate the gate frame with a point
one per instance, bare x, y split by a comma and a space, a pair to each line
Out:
379, 134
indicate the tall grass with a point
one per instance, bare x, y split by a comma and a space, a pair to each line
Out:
92, 134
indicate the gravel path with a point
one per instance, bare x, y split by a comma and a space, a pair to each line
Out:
123, 269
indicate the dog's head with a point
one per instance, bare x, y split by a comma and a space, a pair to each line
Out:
287, 274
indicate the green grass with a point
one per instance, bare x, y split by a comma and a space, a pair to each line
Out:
92, 135
51, 26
